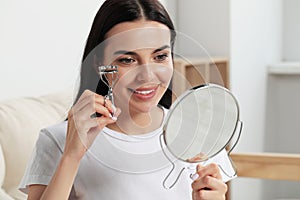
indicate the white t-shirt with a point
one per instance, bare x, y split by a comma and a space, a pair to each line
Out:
117, 166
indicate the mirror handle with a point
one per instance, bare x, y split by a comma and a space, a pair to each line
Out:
165, 185
169, 186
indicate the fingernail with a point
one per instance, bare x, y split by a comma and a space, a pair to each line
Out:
110, 115
114, 108
114, 118
194, 176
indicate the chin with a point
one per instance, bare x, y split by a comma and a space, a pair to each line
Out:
143, 108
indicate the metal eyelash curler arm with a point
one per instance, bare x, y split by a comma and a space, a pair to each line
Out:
106, 72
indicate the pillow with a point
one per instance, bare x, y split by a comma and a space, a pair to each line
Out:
20, 122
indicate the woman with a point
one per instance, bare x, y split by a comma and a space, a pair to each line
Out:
117, 155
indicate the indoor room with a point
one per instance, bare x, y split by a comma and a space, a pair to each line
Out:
250, 48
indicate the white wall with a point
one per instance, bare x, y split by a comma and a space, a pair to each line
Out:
282, 124
207, 22
255, 43
291, 30
42, 44
171, 7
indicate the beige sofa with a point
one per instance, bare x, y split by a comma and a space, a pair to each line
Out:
20, 122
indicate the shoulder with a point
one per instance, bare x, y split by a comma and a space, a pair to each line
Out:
54, 135
56, 130
45, 156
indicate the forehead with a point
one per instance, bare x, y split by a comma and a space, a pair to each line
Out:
131, 36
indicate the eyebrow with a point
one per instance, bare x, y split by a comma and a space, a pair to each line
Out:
124, 52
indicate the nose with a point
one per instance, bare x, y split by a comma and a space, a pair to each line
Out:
145, 73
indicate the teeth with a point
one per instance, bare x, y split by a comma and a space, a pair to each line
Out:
144, 92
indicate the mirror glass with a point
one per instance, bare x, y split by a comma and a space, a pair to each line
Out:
201, 123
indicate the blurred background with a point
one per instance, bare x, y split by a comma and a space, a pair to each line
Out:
42, 44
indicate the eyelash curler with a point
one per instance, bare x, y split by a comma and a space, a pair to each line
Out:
106, 72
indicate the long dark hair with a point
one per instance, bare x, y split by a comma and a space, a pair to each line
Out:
111, 13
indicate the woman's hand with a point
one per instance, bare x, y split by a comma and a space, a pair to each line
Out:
83, 125
209, 184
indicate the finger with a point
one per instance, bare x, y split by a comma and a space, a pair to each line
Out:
209, 170
101, 110
106, 103
199, 157
118, 112
100, 99
85, 94
110, 106
99, 123
89, 109
209, 182
207, 195
96, 124
87, 97
104, 121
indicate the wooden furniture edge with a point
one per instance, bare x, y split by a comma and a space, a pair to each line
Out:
275, 166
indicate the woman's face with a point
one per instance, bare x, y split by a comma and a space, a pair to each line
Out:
142, 52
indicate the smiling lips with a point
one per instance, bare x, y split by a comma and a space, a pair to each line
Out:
145, 93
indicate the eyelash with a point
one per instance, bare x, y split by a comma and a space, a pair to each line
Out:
159, 58
126, 61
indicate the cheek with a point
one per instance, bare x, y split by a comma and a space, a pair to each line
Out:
165, 74
124, 79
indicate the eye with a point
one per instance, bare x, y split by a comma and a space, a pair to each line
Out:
126, 61
161, 57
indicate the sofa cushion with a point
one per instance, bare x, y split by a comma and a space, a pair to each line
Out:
20, 122
3, 194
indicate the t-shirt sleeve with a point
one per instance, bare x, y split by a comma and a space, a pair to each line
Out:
227, 170
43, 162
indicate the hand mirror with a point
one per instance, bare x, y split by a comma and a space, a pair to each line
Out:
200, 124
